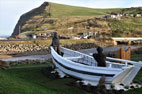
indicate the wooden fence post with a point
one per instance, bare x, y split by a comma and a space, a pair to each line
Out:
122, 54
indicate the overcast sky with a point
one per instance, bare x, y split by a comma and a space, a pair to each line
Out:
11, 10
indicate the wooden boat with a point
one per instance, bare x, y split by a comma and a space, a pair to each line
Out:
83, 66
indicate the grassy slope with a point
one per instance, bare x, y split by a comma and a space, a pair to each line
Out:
133, 11
59, 10
127, 24
129, 27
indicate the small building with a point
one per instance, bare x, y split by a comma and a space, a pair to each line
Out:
132, 15
91, 34
126, 14
106, 17
138, 15
113, 16
116, 16
34, 36
43, 34
87, 27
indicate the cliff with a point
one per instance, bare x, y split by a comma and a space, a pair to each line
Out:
25, 17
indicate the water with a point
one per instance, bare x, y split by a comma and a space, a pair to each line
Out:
4, 36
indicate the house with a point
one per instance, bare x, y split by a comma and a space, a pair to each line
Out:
87, 27
138, 15
91, 34
43, 34
132, 15
113, 16
34, 36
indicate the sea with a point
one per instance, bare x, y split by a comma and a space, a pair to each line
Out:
4, 36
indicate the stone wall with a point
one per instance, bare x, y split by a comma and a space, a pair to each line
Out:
30, 49
21, 48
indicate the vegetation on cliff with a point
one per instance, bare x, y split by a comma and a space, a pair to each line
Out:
44, 16
71, 21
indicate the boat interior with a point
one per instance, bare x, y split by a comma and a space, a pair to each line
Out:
82, 58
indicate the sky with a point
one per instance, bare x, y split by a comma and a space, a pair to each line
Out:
11, 10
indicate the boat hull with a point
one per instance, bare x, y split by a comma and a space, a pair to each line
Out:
91, 74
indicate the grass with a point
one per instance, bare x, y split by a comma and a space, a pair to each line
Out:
136, 57
131, 25
133, 11
59, 10
32, 81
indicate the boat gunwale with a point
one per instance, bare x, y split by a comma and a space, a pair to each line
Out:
87, 66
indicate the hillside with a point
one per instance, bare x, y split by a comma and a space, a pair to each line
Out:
72, 21
133, 10
49, 12
130, 27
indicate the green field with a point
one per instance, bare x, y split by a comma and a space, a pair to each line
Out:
59, 10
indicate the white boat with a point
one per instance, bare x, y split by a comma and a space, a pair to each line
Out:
84, 67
